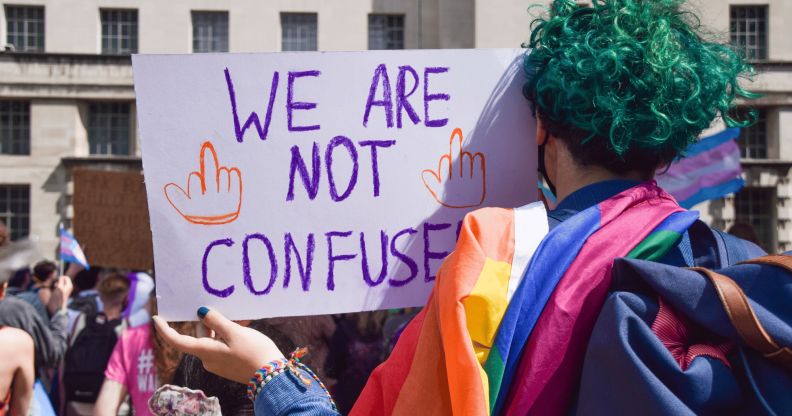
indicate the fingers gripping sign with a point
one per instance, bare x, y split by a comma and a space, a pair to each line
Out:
235, 353
458, 185
214, 194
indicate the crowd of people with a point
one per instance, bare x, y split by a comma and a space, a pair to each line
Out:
593, 326
87, 338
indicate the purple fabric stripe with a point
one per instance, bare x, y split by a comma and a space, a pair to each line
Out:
703, 159
706, 180
672, 183
132, 291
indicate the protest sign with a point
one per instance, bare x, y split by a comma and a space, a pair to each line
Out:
284, 184
111, 219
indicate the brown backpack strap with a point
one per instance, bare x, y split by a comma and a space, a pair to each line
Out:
744, 320
778, 260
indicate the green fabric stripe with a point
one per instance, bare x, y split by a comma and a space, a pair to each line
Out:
655, 245
494, 367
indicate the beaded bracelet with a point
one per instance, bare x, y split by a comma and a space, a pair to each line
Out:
266, 373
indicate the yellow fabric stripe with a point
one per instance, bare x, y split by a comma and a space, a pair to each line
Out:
484, 309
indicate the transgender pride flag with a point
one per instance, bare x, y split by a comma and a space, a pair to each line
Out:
711, 170
70, 250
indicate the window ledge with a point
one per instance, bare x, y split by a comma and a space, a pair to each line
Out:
759, 162
86, 160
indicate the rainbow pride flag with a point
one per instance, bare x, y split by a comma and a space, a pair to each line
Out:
710, 170
499, 303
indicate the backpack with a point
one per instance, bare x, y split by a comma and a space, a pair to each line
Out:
87, 356
673, 340
85, 304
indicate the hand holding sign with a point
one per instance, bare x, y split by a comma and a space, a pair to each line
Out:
214, 195
465, 189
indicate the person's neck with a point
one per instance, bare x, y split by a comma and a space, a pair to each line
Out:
574, 178
112, 312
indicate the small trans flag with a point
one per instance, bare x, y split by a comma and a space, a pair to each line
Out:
70, 250
710, 170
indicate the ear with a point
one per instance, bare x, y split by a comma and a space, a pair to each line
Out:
3, 290
541, 132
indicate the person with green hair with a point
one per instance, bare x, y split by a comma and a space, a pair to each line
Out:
619, 90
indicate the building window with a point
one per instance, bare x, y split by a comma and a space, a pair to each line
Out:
749, 30
108, 128
210, 31
298, 31
15, 210
756, 207
119, 31
386, 32
25, 28
753, 139
14, 127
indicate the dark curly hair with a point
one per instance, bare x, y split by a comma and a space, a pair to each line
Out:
629, 84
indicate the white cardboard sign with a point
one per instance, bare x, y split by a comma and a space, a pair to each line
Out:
284, 184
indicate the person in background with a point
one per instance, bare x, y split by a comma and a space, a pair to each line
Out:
44, 274
19, 286
140, 287
86, 298
746, 232
16, 368
356, 349
139, 364
51, 340
94, 336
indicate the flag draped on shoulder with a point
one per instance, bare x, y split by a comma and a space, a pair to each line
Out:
70, 250
497, 337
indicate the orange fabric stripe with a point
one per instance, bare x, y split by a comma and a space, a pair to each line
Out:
445, 378
382, 389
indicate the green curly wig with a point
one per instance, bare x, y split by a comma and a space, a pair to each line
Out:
629, 84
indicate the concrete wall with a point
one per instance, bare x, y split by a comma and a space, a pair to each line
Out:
503, 23
61, 86
715, 14
165, 26
61, 82
53, 123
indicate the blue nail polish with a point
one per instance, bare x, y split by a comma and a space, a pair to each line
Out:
202, 311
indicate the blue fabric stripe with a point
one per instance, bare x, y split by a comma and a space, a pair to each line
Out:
713, 192
549, 263
711, 142
547, 193
678, 221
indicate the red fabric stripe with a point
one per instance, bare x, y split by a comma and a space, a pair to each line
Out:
673, 329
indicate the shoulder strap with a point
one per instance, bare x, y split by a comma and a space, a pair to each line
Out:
778, 260
743, 318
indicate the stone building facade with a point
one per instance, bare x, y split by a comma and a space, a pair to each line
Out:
67, 94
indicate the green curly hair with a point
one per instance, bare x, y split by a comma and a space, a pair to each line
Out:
629, 84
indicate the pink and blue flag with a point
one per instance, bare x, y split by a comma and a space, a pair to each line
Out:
70, 250
710, 170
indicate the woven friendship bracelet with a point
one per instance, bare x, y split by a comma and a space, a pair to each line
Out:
266, 373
